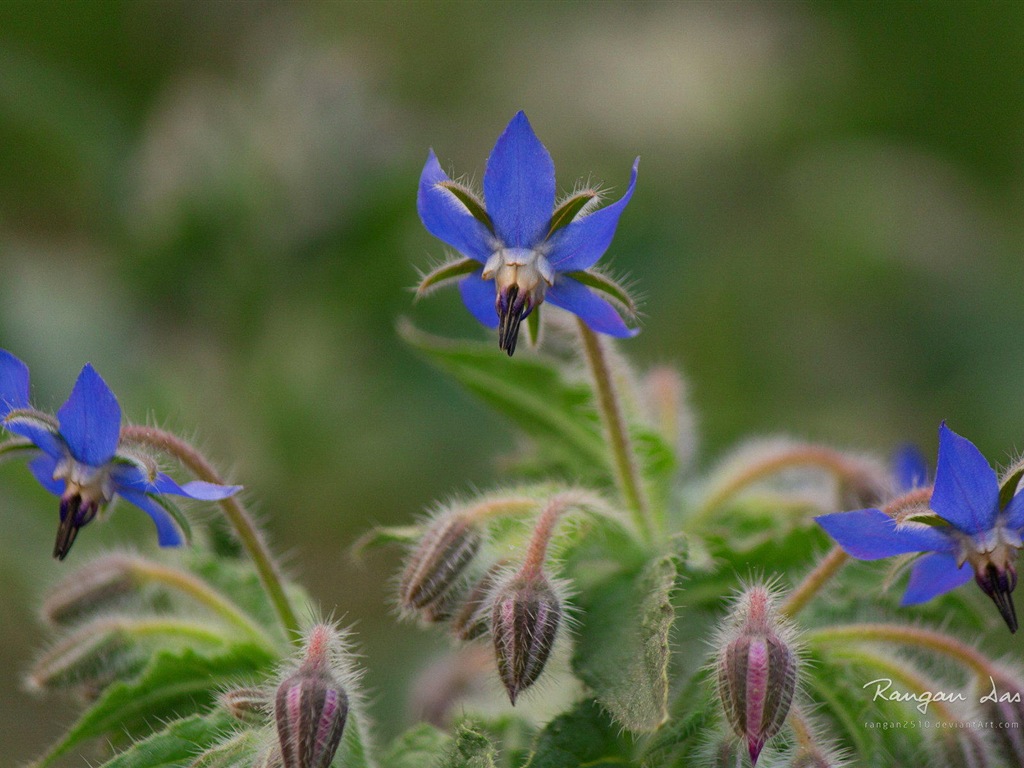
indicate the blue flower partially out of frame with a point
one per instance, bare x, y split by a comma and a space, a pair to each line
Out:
971, 525
520, 250
81, 459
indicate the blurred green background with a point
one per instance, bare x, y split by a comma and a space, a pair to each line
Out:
214, 202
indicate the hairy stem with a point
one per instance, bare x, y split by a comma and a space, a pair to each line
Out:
919, 637
199, 591
814, 581
240, 519
627, 474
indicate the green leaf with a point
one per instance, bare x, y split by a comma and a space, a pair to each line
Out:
451, 270
176, 745
421, 745
622, 648
570, 209
584, 736
1008, 489
173, 684
469, 749
468, 199
533, 392
610, 288
238, 751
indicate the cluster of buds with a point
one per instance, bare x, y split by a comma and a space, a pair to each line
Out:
757, 668
519, 606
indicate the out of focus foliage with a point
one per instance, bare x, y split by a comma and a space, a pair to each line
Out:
214, 203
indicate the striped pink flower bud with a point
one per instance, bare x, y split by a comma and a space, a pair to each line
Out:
311, 707
449, 545
757, 670
525, 617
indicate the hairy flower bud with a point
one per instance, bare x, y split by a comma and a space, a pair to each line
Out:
311, 708
757, 670
471, 620
435, 564
525, 617
90, 589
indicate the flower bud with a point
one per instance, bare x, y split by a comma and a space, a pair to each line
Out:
90, 589
446, 548
89, 659
525, 617
471, 620
757, 670
311, 708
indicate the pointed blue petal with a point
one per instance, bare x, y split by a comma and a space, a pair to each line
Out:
1014, 512
90, 420
870, 534
478, 295
13, 383
519, 185
446, 218
934, 575
197, 489
42, 468
167, 530
966, 488
910, 468
597, 313
44, 435
579, 245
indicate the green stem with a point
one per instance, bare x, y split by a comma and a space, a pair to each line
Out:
627, 474
201, 593
814, 581
10, 449
918, 637
245, 528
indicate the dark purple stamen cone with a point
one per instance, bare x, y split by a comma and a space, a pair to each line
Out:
440, 557
524, 623
998, 584
310, 708
73, 515
757, 673
512, 308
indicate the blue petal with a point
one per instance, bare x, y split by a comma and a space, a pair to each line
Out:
167, 530
1014, 512
966, 488
519, 185
90, 420
910, 468
478, 295
446, 218
197, 489
870, 534
45, 436
597, 313
43, 467
579, 245
13, 383
934, 575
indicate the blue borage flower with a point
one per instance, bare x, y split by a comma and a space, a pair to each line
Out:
82, 460
520, 251
972, 523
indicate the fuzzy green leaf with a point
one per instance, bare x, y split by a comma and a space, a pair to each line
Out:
1009, 487
238, 751
180, 743
452, 270
468, 199
622, 649
582, 736
569, 210
421, 745
173, 685
469, 749
532, 391
610, 288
